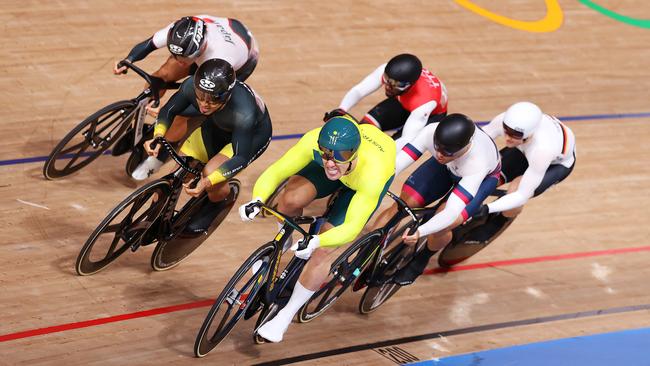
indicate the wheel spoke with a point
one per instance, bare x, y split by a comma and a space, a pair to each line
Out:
74, 159
64, 152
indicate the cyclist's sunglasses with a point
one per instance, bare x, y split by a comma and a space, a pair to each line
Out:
446, 153
212, 99
394, 84
512, 132
338, 156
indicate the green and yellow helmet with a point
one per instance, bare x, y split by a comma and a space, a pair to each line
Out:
339, 139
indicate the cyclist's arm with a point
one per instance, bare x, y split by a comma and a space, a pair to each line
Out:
242, 141
462, 194
414, 149
141, 50
367, 86
415, 123
289, 164
176, 104
494, 129
361, 207
529, 182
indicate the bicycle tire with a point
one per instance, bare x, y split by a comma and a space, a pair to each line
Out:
206, 341
84, 265
347, 267
170, 253
59, 153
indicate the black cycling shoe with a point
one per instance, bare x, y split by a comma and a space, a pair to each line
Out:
408, 274
202, 219
484, 233
414, 269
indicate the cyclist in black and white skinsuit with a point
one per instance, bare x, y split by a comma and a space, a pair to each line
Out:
191, 41
540, 152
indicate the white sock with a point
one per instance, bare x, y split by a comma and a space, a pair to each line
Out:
298, 298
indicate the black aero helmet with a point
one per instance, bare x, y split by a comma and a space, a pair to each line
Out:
186, 36
214, 80
404, 68
453, 133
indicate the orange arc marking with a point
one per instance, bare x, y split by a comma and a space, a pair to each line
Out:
551, 22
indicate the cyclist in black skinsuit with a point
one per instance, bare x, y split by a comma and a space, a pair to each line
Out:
237, 130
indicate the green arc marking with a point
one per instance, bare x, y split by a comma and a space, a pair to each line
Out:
642, 23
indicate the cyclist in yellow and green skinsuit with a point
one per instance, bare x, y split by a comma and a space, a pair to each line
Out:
357, 159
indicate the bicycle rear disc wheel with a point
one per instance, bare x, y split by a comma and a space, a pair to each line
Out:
349, 265
88, 140
378, 293
122, 227
237, 295
169, 254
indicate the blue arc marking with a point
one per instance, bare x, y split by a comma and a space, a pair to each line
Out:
592, 117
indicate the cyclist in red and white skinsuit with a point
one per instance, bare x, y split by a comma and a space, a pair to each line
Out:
416, 97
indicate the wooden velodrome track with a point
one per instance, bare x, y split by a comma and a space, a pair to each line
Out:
583, 246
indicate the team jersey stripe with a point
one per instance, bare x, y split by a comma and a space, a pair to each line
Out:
413, 194
412, 151
565, 141
461, 193
464, 214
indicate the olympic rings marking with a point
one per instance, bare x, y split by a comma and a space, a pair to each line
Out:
551, 22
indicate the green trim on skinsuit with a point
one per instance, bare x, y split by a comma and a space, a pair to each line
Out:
641, 23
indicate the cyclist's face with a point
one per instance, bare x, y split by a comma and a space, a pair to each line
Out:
185, 61
207, 105
334, 170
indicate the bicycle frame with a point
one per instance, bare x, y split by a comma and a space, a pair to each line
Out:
294, 267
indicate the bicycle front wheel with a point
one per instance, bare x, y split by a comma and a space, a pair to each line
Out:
88, 140
123, 227
347, 267
234, 299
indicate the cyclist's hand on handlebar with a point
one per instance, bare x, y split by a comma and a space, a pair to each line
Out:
313, 244
201, 186
482, 212
151, 151
117, 70
249, 210
151, 110
411, 239
334, 113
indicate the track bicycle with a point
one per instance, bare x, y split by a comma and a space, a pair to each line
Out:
122, 121
259, 286
150, 215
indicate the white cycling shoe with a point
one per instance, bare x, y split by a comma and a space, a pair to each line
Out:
274, 329
148, 167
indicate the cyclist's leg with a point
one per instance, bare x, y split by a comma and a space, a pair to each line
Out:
313, 274
387, 115
211, 147
428, 183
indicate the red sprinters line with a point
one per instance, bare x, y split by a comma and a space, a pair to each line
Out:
100, 321
548, 258
203, 303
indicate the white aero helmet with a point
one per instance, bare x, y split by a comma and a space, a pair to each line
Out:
522, 119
